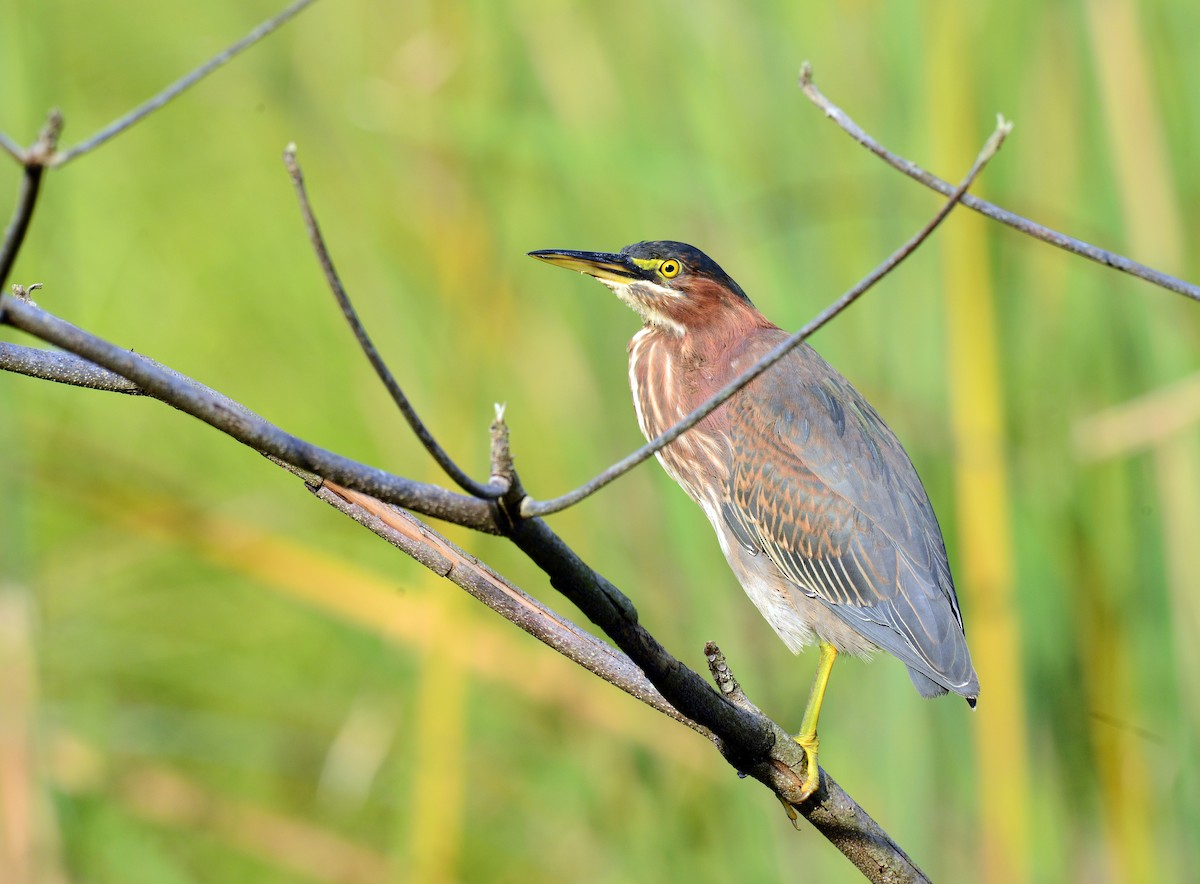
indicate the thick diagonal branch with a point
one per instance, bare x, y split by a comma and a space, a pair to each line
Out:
751, 742
243, 425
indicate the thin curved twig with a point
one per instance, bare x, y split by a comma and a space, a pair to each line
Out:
119, 125
34, 160
531, 507
991, 210
488, 491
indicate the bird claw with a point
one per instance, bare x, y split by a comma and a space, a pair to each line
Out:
812, 777
812, 772
790, 810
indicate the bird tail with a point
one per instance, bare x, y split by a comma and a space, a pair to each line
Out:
925, 685
928, 688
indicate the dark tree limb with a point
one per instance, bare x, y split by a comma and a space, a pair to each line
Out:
838, 816
530, 507
991, 210
598, 598
751, 742
243, 425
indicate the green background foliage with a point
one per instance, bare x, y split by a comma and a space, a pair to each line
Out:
220, 679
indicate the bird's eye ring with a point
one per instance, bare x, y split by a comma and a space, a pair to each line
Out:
669, 268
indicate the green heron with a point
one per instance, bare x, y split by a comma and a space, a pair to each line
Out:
817, 507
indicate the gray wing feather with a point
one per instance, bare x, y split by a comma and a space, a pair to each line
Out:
825, 489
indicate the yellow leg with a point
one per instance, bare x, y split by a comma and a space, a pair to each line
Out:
807, 738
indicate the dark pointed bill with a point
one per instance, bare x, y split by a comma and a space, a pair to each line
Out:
602, 265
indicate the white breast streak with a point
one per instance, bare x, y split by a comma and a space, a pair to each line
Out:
635, 356
644, 352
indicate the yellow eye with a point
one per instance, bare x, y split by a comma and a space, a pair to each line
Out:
669, 268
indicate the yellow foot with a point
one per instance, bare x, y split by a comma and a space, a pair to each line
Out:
812, 773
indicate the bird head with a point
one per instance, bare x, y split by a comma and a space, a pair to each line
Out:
672, 285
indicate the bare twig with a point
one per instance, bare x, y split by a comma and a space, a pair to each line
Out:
34, 161
723, 676
62, 368
530, 507
460, 478
227, 416
864, 842
11, 148
503, 471
750, 741
599, 599
991, 210
143, 110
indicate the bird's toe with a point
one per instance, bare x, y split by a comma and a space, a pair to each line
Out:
812, 772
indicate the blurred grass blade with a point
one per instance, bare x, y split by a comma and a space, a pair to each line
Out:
1136, 140
985, 554
157, 794
438, 803
1153, 227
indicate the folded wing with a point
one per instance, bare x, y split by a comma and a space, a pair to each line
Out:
824, 488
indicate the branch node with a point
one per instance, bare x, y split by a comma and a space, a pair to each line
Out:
502, 462
42, 152
726, 683
25, 293
504, 479
289, 160
35, 160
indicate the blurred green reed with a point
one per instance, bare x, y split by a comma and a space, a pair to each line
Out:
209, 677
